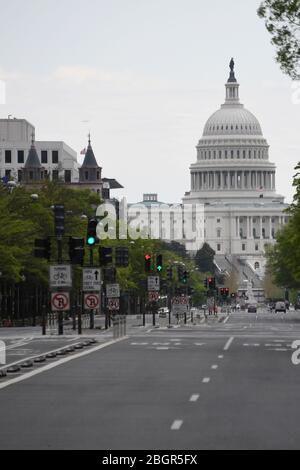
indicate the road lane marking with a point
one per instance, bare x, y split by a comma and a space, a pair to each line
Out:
28, 375
176, 425
199, 344
228, 344
279, 349
162, 348
194, 398
220, 357
206, 380
215, 366
226, 319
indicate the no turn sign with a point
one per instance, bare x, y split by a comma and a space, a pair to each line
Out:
91, 301
60, 301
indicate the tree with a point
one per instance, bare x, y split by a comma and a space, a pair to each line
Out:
232, 281
284, 257
272, 291
205, 259
282, 19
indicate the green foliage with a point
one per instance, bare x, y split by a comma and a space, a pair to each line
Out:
204, 259
24, 218
284, 257
282, 19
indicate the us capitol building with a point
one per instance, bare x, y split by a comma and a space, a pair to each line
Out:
235, 181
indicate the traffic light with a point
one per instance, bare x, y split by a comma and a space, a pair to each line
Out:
42, 248
105, 255
180, 273
233, 296
212, 283
224, 291
191, 291
91, 238
170, 273
110, 275
59, 220
185, 277
159, 263
147, 258
205, 283
76, 250
122, 257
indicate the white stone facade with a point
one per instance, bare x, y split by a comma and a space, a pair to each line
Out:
58, 159
235, 181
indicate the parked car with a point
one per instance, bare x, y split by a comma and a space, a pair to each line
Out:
252, 308
280, 307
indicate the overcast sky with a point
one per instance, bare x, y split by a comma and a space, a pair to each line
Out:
146, 75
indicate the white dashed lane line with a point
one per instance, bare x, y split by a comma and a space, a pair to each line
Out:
228, 344
206, 380
220, 357
194, 397
176, 425
214, 367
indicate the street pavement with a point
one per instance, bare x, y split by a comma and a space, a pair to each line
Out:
225, 383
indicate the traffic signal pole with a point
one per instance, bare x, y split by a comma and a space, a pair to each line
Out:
92, 314
59, 261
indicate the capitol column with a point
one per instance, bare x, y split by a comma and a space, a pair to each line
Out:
260, 227
250, 227
270, 227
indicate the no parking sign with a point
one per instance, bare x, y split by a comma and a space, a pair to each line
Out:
60, 301
91, 301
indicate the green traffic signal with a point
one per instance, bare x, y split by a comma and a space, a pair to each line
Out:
91, 238
159, 263
91, 241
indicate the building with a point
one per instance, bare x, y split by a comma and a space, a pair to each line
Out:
234, 180
33, 173
58, 159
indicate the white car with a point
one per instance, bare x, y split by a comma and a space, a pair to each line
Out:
280, 307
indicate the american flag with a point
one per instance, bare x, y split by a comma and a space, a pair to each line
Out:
83, 152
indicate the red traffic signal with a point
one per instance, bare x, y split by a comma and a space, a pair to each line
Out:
147, 262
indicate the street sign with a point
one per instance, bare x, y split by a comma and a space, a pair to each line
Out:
113, 304
183, 300
153, 283
60, 276
153, 296
180, 305
91, 301
60, 301
112, 291
91, 279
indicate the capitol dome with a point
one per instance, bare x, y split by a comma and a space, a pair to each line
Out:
232, 133
231, 120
